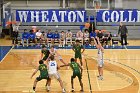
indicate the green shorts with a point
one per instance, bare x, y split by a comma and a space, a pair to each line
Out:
78, 74
78, 56
40, 78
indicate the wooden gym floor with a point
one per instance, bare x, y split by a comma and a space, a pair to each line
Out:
121, 72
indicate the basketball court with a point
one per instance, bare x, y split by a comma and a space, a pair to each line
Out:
121, 65
121, 72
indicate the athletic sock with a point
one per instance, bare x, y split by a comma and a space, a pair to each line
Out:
48, 87
34, 88
63, 90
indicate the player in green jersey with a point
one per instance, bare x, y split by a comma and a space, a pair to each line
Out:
44, 52
43, 74
77, 71
78, 53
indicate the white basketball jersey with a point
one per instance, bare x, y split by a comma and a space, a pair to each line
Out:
52, 67
100, 54
53, 52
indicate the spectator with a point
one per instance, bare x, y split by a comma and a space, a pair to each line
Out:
107, 38
49, 37
86, 36
69, 37
101, 36
44, 37
62, 39
79, 36
32, 37
92, 35
39, 36
25, 36
56, 37
123, 33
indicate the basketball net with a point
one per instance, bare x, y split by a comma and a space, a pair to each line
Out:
97, 5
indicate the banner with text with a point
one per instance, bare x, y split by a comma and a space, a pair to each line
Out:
118, 16
51, 15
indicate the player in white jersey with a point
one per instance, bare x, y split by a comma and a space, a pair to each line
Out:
54, 52
100, 57
53, 72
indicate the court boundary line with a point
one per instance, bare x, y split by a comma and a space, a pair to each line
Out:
88, 77
97, 81
129, 71
6, 54
113, 61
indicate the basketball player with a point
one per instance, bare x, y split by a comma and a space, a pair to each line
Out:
77, 49
100, 57
54, 52
44, 52
52, 68
76, 72
43, 74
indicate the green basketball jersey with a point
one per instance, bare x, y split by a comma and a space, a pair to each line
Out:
77, 49
74, 66
43, 70
45, 52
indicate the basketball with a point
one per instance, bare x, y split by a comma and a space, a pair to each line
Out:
87, 25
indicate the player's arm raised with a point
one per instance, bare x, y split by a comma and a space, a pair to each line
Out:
98, 41
95, 42
35, 72
102, 49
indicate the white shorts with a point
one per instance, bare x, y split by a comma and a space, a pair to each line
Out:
55, 75
100, 62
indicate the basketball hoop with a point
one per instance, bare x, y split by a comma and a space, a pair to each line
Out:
97, 5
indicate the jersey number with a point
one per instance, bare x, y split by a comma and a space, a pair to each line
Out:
43, 67
52, 64
74, 65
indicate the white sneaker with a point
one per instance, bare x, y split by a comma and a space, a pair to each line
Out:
100, 77
63, 90
33, 91
48, 88
72, 90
